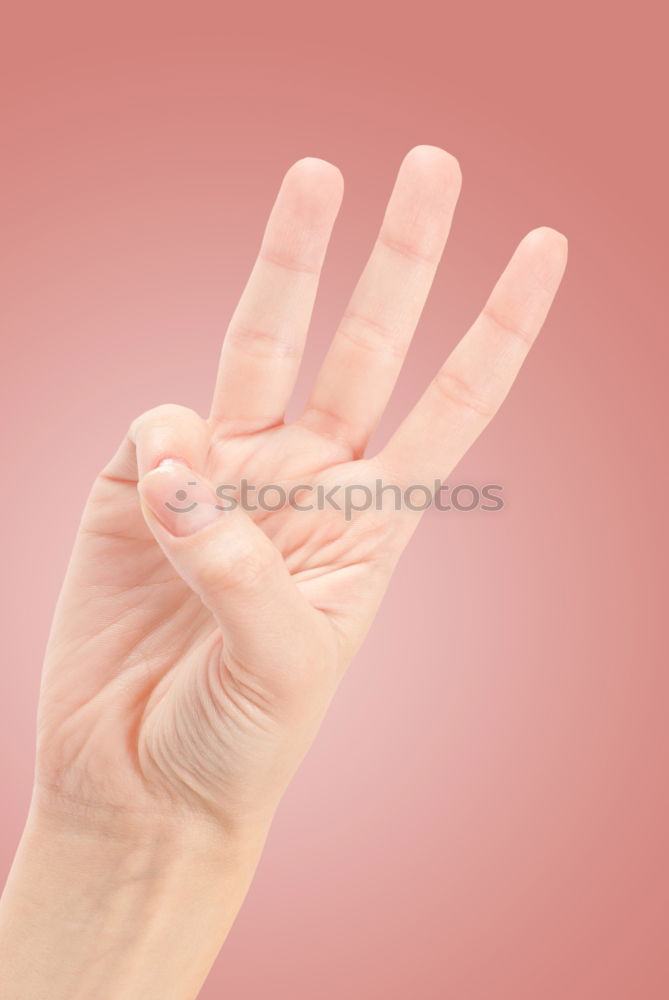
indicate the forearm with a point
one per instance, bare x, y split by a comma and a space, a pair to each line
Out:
86, 916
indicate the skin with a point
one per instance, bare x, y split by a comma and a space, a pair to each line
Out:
193, 653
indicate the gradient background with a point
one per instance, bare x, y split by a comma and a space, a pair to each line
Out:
485, 814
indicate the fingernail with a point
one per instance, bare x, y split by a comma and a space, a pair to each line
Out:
180, 499
172, 460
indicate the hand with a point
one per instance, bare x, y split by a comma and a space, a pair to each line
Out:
194, 652
195, 648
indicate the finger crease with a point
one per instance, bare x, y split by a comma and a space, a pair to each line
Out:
506, 326
287, 264
385, 337
406, 250
460, 393
261, 343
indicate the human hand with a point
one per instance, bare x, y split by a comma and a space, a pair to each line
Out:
194, 649
194, 652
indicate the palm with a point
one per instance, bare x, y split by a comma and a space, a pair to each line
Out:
336, 562
161, 632
153, 691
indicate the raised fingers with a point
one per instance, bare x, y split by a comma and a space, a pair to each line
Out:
265, 338
364, 360
469, 388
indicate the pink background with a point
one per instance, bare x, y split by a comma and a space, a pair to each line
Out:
485, 814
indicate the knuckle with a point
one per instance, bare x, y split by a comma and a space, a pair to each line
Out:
263, 343
371, 334
164, 415
461, 394
508, 326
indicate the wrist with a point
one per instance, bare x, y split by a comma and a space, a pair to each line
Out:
119, 908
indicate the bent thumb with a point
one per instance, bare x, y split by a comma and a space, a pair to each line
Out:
237, 572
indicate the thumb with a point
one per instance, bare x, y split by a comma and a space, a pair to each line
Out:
270, 630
